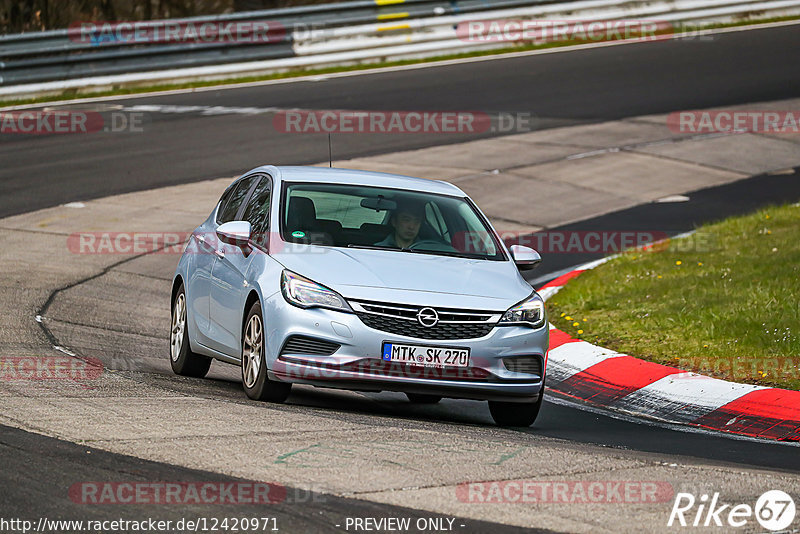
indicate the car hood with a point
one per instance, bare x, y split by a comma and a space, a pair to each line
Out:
387, 275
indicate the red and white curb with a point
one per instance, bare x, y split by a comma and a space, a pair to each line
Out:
622, 383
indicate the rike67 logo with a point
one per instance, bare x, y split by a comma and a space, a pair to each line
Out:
774, 510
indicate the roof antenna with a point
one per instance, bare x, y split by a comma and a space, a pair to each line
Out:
330, 151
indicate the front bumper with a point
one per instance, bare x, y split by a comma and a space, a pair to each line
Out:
357, 363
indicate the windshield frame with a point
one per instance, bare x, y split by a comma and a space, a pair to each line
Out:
499, 245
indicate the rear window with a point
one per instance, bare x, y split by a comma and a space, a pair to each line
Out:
341, 207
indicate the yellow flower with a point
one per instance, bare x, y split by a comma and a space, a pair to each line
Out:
705, 346
576, 323
563, 314
580, 331
659, 277
584, 319
678, 262
767, 216
568, 318
769, 232
699, 263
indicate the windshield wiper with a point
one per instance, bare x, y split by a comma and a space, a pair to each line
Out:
418, 251
437, 253
376, 247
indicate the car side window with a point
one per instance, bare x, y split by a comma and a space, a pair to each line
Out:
229, 209
223, 201
257, 212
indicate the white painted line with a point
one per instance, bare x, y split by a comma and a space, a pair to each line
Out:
672, 198
592, 153
595, 263
65, 351
202, 110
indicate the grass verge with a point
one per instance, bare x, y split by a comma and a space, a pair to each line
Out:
691, 32
724, 302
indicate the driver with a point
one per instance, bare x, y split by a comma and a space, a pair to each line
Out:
406, 220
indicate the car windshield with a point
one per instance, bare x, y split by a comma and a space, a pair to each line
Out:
354, 216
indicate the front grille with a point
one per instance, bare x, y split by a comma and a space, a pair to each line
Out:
396, 369
309, 345
382, 368
531, 365
402, 320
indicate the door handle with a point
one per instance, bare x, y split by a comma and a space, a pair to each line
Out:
220, 253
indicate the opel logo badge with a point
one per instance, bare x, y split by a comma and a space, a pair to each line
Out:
428, 317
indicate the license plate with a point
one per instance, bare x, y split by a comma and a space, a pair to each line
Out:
426, 356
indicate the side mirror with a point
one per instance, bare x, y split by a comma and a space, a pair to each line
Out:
526, 258
235, 233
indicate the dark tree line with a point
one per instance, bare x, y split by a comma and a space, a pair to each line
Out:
36, 15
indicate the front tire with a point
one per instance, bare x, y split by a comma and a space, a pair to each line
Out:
520, 414
254, 363
183, 361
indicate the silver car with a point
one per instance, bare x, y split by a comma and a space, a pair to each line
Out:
363, 281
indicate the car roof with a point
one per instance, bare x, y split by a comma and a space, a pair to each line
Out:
358, 177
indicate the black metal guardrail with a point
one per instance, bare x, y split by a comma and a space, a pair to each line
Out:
67, 54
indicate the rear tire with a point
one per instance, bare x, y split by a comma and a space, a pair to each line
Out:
254, 363
519, 414
183, 361
421, 398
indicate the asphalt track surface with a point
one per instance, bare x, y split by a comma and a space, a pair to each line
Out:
596, 84
600, 84
44, 466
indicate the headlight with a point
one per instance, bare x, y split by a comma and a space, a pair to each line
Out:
529, 312
303, 292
